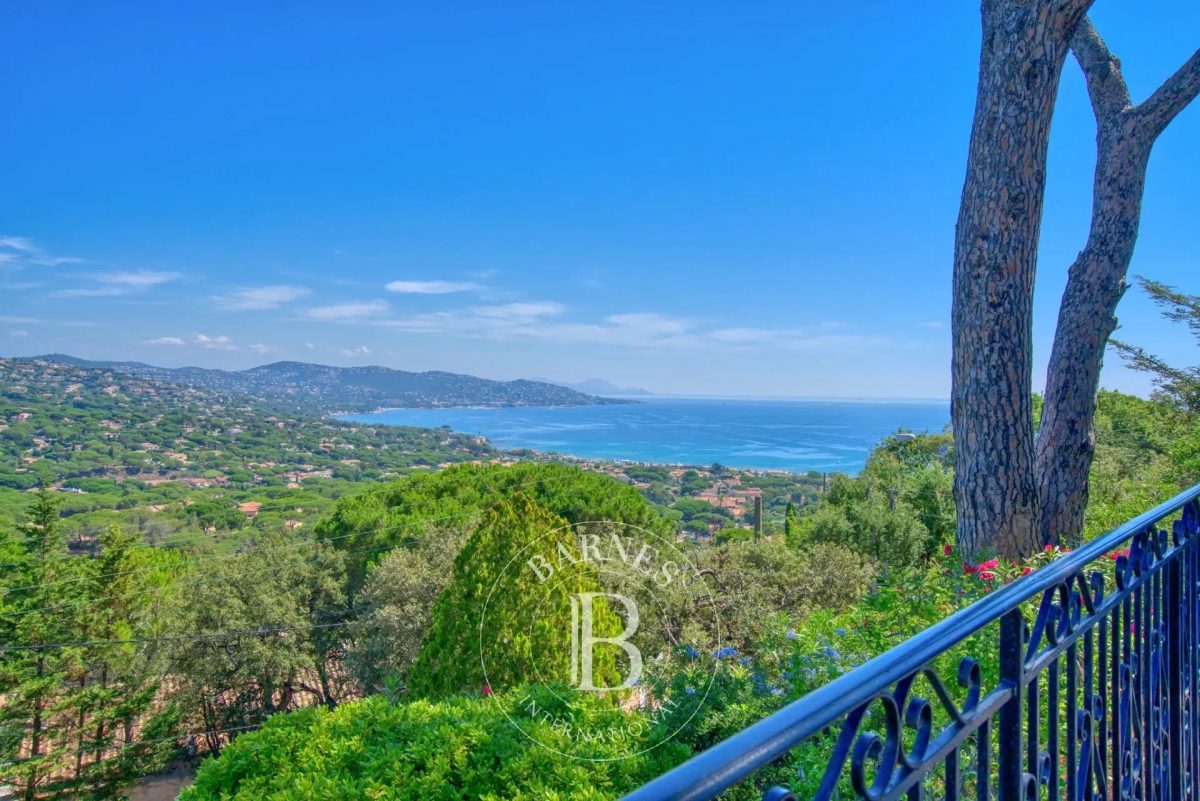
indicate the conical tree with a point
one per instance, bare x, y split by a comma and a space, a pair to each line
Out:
502, 622
791, 525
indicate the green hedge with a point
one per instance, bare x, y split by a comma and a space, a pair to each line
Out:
457, 748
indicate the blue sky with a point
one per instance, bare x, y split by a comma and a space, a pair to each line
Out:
713, 198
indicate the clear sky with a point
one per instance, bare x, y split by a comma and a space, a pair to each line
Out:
698, 197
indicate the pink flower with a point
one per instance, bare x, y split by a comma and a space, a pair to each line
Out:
487, 689
968, 568
1048, 549
989, 564
947, 550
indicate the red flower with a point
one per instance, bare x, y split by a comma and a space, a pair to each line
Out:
487, 689
1117, 554
984, 569
947, 550
1027, 570
1048, 549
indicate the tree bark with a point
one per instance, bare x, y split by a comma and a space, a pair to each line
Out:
1096, 281
995, 258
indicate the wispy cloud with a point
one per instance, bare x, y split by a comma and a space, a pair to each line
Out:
18, 333
744, 336
355, 353
545, 321
432, 287
18, 243
933, 324
357, 310
259, 298
529, 310
137, 279
262, 349
215, 343
173, 341
90, 292
18, 251
114, 284
4, 318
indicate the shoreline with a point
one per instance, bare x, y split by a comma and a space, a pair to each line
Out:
797, 438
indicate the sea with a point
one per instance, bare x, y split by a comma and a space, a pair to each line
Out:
792, 435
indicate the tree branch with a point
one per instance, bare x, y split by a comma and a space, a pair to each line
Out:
1157, 111
1102, 70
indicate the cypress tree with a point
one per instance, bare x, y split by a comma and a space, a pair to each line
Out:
524, 635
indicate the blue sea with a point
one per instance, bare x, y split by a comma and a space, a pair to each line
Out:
795, 435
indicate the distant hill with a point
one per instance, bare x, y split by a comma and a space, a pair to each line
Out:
598, 386
319, 388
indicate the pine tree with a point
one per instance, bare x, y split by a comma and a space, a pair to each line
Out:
35, 713
124, 680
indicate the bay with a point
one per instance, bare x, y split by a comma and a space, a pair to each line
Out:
793, 435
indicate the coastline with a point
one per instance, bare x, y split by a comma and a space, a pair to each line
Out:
795, 437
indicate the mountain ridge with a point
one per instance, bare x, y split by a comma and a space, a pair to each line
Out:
326, 389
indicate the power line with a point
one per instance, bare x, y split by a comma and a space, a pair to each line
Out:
123, 746
301, 544
165, 543
307, 543
259, 632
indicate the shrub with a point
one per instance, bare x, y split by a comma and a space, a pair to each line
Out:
456, 748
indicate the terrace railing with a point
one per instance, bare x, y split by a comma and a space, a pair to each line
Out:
1083, 686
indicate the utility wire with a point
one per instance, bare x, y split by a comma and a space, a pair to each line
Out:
123, 746
300, 544
167, 542
259, 632
306, 543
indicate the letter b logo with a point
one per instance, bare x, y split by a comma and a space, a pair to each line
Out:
583, 641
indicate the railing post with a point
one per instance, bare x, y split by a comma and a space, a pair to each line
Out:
1009, 732
1175, 674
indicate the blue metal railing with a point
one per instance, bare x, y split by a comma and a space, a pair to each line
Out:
1094, 699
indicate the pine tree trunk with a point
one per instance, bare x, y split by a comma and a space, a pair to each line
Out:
995, 257
1125, 135
1086, 319
35, 746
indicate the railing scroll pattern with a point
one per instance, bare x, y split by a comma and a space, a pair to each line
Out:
1094, 658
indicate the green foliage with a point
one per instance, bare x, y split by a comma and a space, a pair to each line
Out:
418, 506
114, 445
898, 511
455, 748
756, 580
398, 601
791, 525
499, 606
1145, 453
270, 587
731, 535
1177, 386
76, 717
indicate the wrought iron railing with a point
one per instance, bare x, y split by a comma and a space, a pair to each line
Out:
1093, 664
